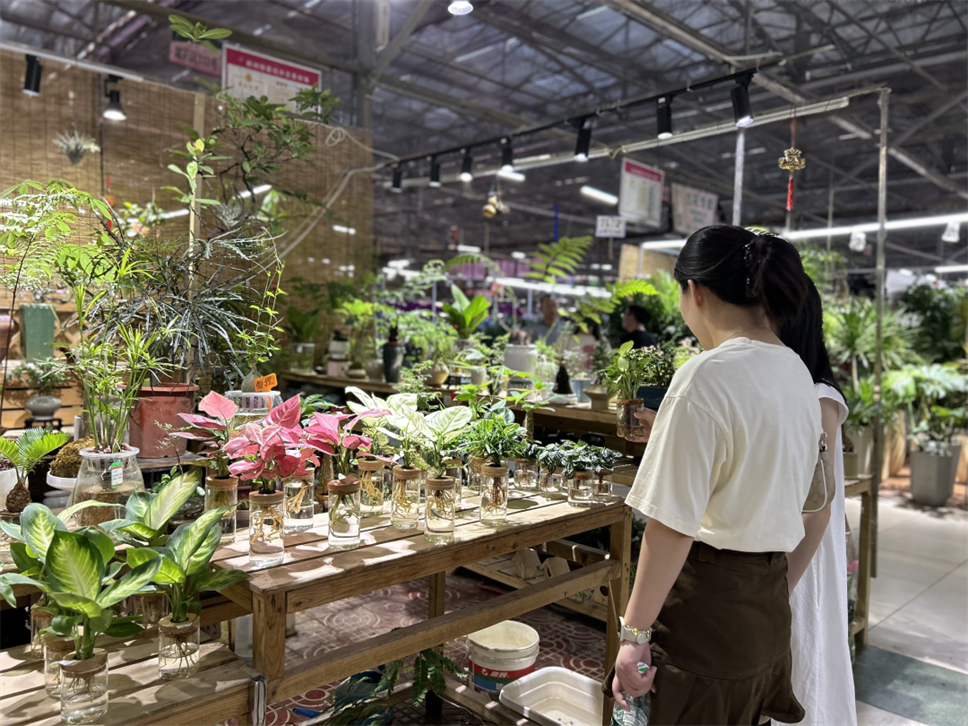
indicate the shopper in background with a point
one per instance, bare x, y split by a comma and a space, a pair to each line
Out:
634, 327
822, 676
729, 465
589, 337
550, 325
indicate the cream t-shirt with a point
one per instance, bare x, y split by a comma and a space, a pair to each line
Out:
733, 449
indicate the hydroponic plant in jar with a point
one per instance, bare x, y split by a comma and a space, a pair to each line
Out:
604, 471
526, 467
75, 571
498, 438
437, 438
626, 372
376, 474
215, 431
552, 460
581, 461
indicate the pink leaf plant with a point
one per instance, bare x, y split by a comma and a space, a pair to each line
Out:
214, 430
328, 433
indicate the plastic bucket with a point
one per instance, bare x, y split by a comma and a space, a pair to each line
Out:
501, 654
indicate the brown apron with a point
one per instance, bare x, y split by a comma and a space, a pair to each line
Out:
721, 643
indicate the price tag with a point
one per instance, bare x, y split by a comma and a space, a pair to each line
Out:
117, 474
266, 383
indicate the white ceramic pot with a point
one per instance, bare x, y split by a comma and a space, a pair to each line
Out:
8, 480
63, 483
521, 358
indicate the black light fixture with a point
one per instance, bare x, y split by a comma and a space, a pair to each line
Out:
467, 167
584, 141
507, 155
32, 77
397, 185
663, 117
114, 110
742, 111
434, 173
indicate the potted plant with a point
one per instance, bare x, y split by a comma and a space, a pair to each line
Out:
304, 327
182, 574
497, 439
604, 471
526, 468
581, 463
45, 378
934, 457
84, 583
214, 431
393, 353
624, 375
552, 463
601, 396
25, 454
859, 428
437, 443
466, 315
529, 401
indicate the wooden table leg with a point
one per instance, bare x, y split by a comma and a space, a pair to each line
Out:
269, 634
435, 608
620, 548
862, 608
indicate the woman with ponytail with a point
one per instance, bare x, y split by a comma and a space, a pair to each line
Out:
723, 481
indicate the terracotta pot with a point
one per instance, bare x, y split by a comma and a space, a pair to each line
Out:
160, 404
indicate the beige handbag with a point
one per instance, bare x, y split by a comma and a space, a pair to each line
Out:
824, 485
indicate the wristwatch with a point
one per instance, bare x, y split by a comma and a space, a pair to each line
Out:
633, 635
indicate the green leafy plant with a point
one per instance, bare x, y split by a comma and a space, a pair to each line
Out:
529, 401
466, 315
862, 408
146, 514
259, 340
414, 382
44, 376
558, 259
631, 368
437, 439
25, 454
496, 438
303, 326
937, 319
923, 389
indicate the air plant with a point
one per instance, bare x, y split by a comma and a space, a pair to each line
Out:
75, 145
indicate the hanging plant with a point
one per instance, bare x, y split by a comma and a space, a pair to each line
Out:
75, 145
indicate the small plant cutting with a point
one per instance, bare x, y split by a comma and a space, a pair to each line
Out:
529, 401
25, 454
628, 370
497, 439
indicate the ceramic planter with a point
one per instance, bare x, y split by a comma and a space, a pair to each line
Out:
600, 397
627, 425
42, 407
437, 374
392, 361
374, 370
863, 440
157, 406
356, 371
933, 476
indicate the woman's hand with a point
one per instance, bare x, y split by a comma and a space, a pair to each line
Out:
627, 676
647, 417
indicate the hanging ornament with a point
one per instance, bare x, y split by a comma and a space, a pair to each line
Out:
75, 146
792, 160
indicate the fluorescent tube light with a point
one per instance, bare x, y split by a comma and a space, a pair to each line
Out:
514, 176
599, 195
951, 268
341, 228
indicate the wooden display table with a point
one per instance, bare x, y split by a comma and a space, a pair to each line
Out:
332, 382
313, 575
224, 687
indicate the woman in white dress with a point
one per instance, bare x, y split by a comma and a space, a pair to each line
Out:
822, 678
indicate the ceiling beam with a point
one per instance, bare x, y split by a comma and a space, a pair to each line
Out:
402, 36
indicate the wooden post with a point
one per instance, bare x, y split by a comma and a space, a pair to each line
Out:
435, 608
269, 633
620, 549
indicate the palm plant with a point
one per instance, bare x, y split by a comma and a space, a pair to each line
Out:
25, 454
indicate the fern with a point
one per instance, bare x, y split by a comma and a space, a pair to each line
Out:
558, 259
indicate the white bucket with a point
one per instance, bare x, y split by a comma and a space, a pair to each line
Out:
501, 654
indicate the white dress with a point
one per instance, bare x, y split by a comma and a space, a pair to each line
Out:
822, 677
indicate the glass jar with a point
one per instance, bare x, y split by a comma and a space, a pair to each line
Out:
266, 547
300, 503
525, 475
456, 472
494, 495
252, 406
303, 358
151, 607
474, 475
177, 648
84, 688
109, 478
603, 486
546, 482
344, 514
371, 487
581, 489
56, 649
40, 618
440, 510
560, 484
627, 425
405, 505
13, 519
223, 493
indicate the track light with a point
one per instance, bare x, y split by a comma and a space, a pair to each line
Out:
397, 185
114, 110
507, 155
742, 111
434, 173
467, 168
32, 77
460, 7
584, 142
663, 117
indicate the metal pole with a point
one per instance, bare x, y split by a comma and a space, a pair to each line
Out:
879, 349
738, 176
830, 221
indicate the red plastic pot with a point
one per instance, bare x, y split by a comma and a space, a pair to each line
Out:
160, 404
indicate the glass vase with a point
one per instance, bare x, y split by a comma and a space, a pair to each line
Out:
494, 495
303, 357
627, 425
266, 547
108, 478
455, 470
474, 475
13, 519
84, 688
151, 607
371, 487
440, 510
40, 618
546, 482
300, 503
603, 486
344, 514
525, 475
581, 489
559, 482
223, 493
56, 649
407, 487
178, 648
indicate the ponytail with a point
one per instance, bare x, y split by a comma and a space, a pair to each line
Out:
747, 269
